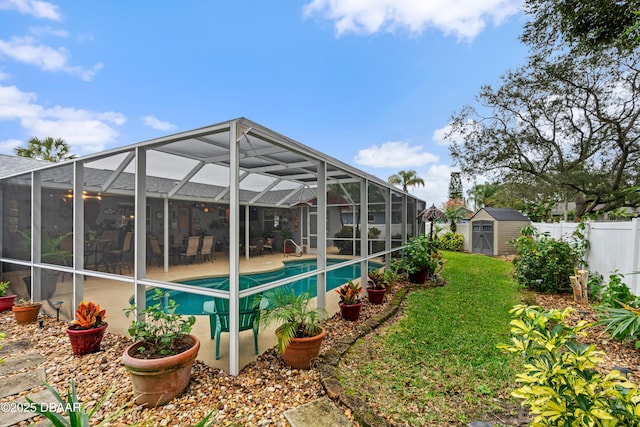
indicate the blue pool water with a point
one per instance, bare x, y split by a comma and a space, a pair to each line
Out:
192, 303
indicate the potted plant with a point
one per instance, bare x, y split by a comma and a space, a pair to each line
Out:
26, 311
159, 361
420, 258
350, 303
376, 286
299, 335
87, 329
6, 301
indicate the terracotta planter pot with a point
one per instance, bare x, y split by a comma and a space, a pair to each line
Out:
157, 381
301, 351
376, 296
85, 341
26, 313
420, 276
6, 302
350, 311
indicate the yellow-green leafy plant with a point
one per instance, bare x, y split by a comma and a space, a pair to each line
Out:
89, 315
4, 285
560, 384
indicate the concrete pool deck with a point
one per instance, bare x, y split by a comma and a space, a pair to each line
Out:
114, 297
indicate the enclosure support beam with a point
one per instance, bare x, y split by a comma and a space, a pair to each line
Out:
234, 245
165, 237
321, 286
140, 224
78, 233
388, 207
364, 231
404, 219
36, 235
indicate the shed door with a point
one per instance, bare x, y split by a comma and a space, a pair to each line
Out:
482, 237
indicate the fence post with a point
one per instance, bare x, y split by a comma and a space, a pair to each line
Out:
587, 237
634, 260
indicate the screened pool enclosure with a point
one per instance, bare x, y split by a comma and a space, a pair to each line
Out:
134, 218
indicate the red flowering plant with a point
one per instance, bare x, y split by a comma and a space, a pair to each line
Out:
88, 316
349, 293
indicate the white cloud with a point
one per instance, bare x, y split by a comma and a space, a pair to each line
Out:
8, 146
29, 51
394, 154
439, 136
154, 123
464, 18
3, 75
37, 8
85, 131
436, 185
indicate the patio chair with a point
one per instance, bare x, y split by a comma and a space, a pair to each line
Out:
116, 256
156, 251
218, 311
192, 248
208, 243
268, 245
257, 247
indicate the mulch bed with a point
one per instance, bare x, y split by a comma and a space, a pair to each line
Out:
616, 354
259, 395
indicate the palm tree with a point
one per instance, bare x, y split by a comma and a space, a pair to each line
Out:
454, 214
53, 150
479, 193
406, 179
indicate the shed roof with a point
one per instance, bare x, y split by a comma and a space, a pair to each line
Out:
503, 214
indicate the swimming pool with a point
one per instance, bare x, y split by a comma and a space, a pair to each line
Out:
192, 303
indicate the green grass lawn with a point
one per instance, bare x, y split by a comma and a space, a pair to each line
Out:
439, 363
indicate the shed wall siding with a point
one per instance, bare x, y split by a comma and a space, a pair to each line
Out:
496, 235
505, 231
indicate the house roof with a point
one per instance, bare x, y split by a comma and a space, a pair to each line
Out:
503, 214
10, 165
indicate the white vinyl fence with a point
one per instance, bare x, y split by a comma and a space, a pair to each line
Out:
614, 246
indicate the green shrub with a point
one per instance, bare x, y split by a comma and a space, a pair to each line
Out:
421, 252
595, 286
374, 233
616, 292
543, 263
560, 384
451, 241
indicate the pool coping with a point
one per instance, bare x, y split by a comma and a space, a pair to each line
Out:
247, 273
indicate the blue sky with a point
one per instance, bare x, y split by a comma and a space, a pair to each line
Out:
371, 83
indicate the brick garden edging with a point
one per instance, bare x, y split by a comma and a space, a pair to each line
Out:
327, 363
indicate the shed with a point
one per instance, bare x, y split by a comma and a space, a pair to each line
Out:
492, 228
